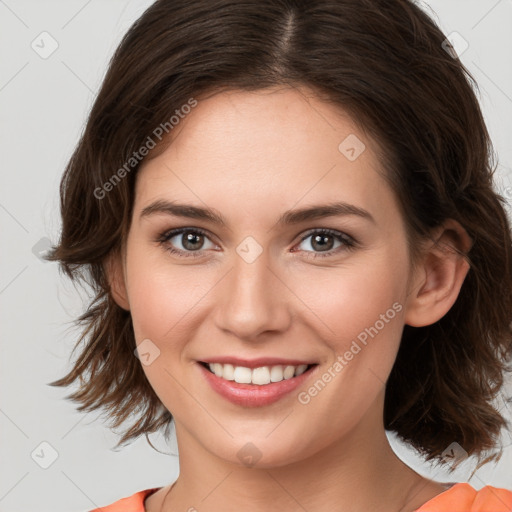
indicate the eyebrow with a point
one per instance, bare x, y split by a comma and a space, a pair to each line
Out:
289, 217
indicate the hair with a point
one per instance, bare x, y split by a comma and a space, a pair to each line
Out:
386, 63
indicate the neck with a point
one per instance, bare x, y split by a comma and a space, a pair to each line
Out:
358, 472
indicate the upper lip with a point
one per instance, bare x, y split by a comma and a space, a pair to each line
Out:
256, 363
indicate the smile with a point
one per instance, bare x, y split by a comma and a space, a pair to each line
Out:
258, 376
257, 386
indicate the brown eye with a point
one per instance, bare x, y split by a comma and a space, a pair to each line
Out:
324, 240
186, 241
192, 241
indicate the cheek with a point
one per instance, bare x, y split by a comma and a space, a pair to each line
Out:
161, 294
346, 301
360, 315
162, 300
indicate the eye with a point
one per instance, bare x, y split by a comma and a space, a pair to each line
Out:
191, 240
323, 240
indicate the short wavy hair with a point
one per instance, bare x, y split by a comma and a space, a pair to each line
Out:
388, 65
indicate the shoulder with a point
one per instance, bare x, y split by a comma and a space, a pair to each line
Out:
462, 497
133, 503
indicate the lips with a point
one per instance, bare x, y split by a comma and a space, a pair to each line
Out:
250, 394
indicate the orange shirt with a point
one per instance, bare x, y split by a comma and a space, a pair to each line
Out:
461, 497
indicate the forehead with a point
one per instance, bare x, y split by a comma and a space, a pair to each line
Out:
249, 151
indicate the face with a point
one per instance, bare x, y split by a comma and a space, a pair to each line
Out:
326, 289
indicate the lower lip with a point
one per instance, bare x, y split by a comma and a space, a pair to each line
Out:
252, 395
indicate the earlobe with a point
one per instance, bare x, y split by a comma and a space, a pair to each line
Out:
439, 277
116, 279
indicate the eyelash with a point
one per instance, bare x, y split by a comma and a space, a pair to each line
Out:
349, 243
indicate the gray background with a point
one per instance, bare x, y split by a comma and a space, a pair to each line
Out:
44, 103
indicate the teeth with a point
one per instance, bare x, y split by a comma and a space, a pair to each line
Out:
276, 373
259, 376
228, 371
241, 375
217, 369
301, 369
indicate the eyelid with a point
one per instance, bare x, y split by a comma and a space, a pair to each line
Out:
329, 231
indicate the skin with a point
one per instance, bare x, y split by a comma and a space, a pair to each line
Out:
251, 156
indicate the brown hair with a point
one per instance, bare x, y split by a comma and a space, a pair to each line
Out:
383, 62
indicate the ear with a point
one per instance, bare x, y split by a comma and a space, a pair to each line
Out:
114, 270
438, 277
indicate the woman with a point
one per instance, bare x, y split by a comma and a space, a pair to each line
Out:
285, 209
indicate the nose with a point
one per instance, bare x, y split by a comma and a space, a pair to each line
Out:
253, 299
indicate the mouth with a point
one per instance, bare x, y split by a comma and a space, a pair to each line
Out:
257, 376
255, 385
